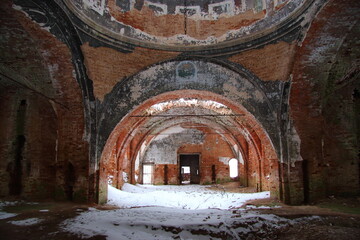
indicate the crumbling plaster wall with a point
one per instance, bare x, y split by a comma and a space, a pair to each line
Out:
163, 149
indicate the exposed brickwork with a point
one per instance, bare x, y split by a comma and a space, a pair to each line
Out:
173, 174
319, 99
211, 150
54, 128
114, 65
271, 62
44, 153
7, 116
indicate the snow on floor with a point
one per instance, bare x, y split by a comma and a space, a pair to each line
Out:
174, 212
171, 223
5, 215
184, 197
168, 223
26, 222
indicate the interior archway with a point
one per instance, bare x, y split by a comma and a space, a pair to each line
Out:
214, 117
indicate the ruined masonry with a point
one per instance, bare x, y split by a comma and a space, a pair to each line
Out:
105, 92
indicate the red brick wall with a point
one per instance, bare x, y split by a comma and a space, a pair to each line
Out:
114, 65
269, 63
322, 106
54, 113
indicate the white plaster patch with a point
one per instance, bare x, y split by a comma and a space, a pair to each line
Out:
110, 179
241, 160
259, 96
227, 7
95, 5
196, 9
169, 131
152, 72
125, 177
137, 162
224, 160
295, 146
207, 104
245, 133
136, 91
164, 150
320, 53
163, 7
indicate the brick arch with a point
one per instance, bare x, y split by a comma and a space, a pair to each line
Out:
236, 84
251, 138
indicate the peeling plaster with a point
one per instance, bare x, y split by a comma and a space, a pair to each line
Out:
95, 5
321, 52
224, 160
219, 80
207, 104
163, 150
125, 177
136, 91
294, 146
253, 19
168, 132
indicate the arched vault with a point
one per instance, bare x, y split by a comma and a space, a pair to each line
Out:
204, 111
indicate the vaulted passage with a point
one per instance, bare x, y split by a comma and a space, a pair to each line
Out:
170, 139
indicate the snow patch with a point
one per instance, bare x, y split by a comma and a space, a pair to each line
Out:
5, 215
181, 197
169, 223
26, 222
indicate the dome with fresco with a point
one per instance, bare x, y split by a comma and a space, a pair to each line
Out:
184, 24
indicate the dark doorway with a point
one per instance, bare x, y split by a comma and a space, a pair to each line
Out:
189, 168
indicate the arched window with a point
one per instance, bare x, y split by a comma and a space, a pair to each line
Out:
233, 168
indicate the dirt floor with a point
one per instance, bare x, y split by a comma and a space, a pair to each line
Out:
340, 219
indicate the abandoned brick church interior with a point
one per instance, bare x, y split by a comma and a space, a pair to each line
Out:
107, 92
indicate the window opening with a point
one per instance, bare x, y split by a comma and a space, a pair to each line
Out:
185, 175
233, 168
148, 173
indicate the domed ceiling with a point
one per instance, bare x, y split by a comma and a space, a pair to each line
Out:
182, 24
